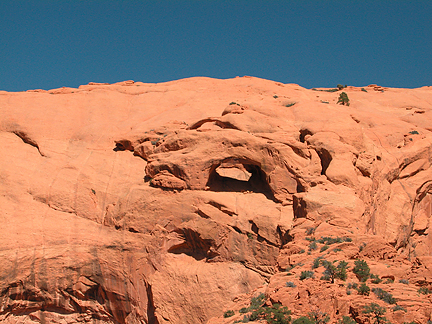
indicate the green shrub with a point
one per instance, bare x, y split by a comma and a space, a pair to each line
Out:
332, 240
361, 270
343, 99
316, 263
275, 314
424, 291
324, 247
303, 320
363, 289
389, 281
404, 281
332, 272
313, 246
375, 279
228, 313
290, 284
363, 89
376, 313
384, 295
290, 104
346, 320
319, 317
310, 230
340, 86
397, 307
275, 96
306, 274
234, 103
352, 285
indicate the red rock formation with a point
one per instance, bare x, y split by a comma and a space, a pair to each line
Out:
174, 202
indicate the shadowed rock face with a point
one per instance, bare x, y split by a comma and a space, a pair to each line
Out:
162, 203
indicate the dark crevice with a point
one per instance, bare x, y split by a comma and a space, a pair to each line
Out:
28, 140
222, 208
151, 316
123, 145
325, 158
201, 214
235, 228
299, 207
261, 239
284, 237
303, 133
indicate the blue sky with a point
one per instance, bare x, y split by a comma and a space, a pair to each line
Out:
46, 44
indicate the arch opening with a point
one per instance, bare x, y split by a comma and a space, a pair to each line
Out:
239, 176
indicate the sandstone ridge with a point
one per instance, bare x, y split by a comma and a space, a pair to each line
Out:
176, 202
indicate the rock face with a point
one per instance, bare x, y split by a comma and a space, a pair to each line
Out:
175, 202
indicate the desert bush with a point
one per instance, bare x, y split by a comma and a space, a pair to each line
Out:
363, 89
340, 86
316, 263
275, 314
290, 104
389, 281
397, 307
343, 99
324, 247
303, 320
346, 320
332, 272
375, 279
313, 246
290, 284
363, 289
228, 313
306, 274
318, 317
384, 295
352, 285
234, 103
404, 281
376, 313
424, 291
361, 270
310, 230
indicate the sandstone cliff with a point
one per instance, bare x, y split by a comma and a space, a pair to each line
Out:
175, 202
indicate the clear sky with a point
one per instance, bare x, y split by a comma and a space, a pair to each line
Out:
46, 44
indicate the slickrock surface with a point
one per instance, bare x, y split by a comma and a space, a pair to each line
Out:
175, 202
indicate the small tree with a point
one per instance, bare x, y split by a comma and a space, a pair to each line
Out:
376, 313
303, 320
318, 317
331, 271
343, 99
346, 320
363, 289
361, 270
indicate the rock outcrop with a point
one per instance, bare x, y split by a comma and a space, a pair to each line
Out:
175, 202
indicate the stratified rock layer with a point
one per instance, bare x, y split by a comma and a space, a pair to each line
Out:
174, 202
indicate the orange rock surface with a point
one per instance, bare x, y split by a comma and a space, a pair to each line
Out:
175, 202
